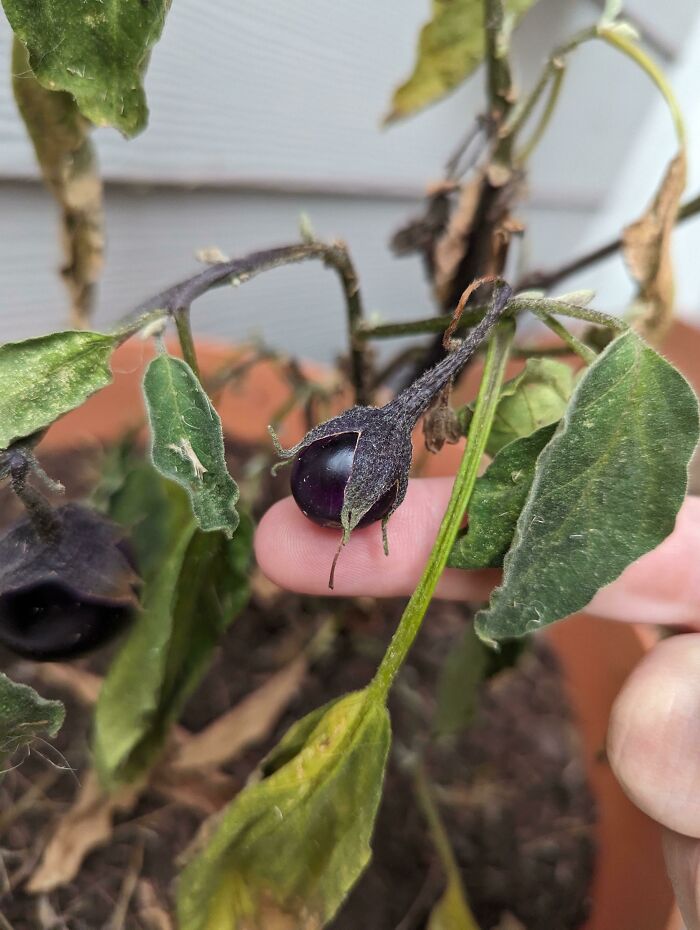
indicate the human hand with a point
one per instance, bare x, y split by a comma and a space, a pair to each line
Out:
654, 736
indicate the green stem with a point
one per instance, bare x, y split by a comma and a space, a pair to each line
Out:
184, 334
625, 45
552, 74
554, 90
432, 324
548, 305
568, 338
499, 84
441, 841
484, 410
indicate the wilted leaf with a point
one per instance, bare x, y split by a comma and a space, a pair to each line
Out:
24, 715
450, 47
450, 247
60, 136
187, 604
607, 489
247, 723
646, 247
86, 825
187, 442
536, 397
96, 51
499, 496
289, 848
43, 378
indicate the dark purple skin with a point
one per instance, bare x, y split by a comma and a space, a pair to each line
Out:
319, 475
47, 622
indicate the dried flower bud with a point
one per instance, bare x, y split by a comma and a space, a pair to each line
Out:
67, 593
375, 443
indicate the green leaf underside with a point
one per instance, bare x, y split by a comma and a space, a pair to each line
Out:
24, 715
43, 378
94, 50
607, 489
187, 442
289, 848
536, 397
450, 47
197, 589
499, 496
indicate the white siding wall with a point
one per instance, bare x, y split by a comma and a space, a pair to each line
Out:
260, 111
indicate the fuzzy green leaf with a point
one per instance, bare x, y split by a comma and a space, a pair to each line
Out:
288, 849
24, 715
96, 51
450, 47
607, 489
499, 496
187, 443
534, 398
66, 156
43, 378
198, 588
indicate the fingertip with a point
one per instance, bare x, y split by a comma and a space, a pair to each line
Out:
296, 554
653, 740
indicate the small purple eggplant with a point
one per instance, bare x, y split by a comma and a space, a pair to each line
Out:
353, 470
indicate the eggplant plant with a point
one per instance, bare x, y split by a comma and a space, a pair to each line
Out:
588, 459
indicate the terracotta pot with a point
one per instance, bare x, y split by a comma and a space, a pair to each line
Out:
630, 889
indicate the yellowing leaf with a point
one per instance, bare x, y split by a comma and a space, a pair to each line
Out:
452, 911
451, 45
646, 246
68, 163
289, 848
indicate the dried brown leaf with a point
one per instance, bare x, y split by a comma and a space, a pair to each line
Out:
450, 248
81, 684
60, 135
151, 912
244, 725
646, 247
86, 825
206, 791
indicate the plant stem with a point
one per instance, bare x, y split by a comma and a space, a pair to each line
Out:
554, 90
568, 338
184, 334
548, 305
499, 84
625, 45
335, 255
441, 841
484, 410
543, 280
432, 324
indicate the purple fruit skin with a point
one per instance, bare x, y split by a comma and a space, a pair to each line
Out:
319, 475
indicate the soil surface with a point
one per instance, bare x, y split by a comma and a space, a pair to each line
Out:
511, 788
